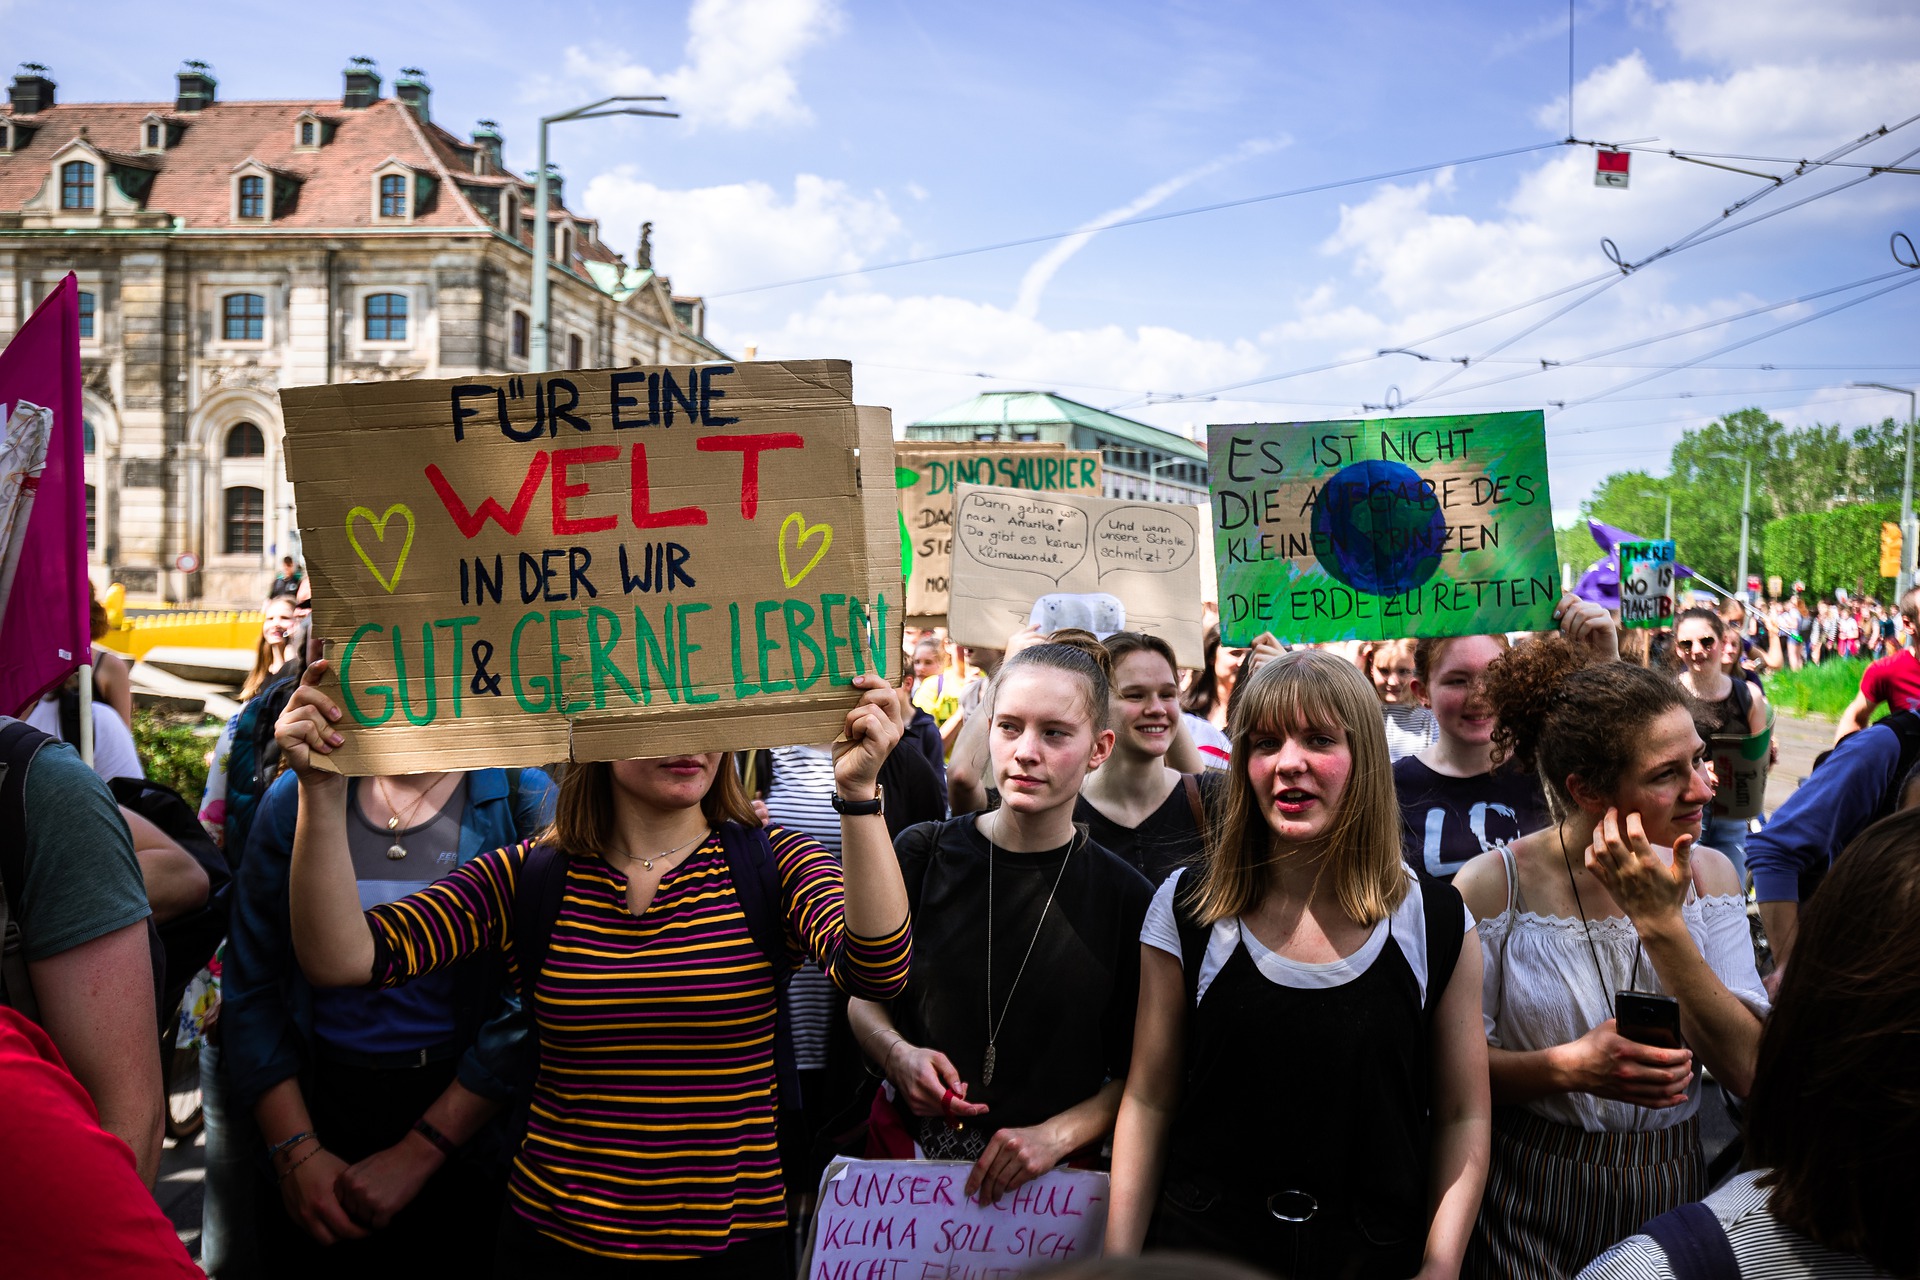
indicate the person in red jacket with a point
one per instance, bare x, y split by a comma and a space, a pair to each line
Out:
72, 1205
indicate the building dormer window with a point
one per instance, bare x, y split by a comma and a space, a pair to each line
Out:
309, 134
76, 185
393, 195
156, 135
509, 213
6, 138
252, 198
565, 243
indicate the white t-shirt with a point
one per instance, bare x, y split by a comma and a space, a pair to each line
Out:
114, 755
1410, 727
1216, 748
1407, 926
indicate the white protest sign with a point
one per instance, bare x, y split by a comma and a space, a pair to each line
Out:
1063, 560
912, 1220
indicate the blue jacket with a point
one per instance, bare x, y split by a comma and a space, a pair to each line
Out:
1837, 802
266, 1006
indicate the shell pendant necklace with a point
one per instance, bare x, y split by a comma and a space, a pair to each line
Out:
395, 819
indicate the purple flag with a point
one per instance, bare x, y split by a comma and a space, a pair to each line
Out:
46, 634
1600, 584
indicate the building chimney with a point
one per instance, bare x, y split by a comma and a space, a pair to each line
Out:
32, 91
363, 85
412, 88
486, 136
197, 86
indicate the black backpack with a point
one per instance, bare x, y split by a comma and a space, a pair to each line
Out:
542, 886
190, 940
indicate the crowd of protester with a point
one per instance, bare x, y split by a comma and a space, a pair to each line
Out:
1408, 958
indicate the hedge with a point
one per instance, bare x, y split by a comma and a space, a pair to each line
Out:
1829, 549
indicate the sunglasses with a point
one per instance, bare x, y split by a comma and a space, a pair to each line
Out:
1706, 645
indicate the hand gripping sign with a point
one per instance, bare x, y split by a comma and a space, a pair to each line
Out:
1063, 560
595, 564
1385, 528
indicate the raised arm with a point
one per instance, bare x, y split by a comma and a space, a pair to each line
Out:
875, 901
330, 934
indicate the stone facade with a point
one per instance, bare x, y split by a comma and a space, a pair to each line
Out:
227, 250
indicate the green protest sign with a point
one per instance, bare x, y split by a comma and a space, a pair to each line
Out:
1383, 528
1646, 584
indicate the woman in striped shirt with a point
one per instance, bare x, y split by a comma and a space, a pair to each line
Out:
651, 1137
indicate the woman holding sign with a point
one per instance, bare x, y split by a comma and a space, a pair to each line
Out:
1728, 704
1008, 1045
650, 932
1618, 963
1309, 1081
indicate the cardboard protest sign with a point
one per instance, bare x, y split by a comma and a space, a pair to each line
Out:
1063, 560
911, 1219
595, 564
1378, 529
1740, 771
928, 475
1646, 583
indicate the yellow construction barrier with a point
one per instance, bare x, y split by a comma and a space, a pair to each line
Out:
191, 629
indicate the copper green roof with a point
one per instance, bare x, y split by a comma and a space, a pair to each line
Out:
1045, 408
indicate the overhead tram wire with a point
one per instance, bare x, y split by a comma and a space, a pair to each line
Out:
1145, 218
1711, 230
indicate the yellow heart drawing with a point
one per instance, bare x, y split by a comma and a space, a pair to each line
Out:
379, 524
805, 533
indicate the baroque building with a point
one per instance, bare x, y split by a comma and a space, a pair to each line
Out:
225, 250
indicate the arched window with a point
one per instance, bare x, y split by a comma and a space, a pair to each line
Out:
245, 441
76, 185
87, 301
88, 442
253, 197
387, 317
520, 333
92, 544
393, 195
243, 317
246, 521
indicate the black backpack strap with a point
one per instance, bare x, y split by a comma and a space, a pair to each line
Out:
756, 883
1695, 1243
1194, 936
1445, 918
538, 891
19, 744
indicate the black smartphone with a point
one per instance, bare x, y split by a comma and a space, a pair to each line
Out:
1645, 1018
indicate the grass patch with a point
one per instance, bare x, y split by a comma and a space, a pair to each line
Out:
1824, 690
173, 749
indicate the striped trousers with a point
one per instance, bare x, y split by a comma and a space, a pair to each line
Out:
1557, 1197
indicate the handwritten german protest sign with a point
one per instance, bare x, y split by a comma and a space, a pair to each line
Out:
1383, 528
1066, 560
910, 1220
1646, 583
929, 472
595, 564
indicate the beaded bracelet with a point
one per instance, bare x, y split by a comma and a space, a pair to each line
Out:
274, 1151
297, 1163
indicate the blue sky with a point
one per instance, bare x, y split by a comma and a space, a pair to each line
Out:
822, 136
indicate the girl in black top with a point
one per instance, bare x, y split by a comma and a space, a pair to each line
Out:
1454, 804
1009, 1044
1149, 814
1309, 1069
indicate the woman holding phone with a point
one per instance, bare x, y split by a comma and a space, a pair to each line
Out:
1618, 962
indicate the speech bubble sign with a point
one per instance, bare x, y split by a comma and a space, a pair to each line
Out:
1026, 535
1141, 539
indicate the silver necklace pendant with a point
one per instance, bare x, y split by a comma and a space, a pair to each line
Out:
986, 1065
396, 851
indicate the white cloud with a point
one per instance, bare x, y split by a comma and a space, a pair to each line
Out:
738, 69
1034, 283
1790, 30
710, 239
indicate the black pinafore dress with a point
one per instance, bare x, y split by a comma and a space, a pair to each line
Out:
1303, 1140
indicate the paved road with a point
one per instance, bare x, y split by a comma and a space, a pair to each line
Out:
1800, 741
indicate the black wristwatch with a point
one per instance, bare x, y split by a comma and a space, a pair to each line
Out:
861, 808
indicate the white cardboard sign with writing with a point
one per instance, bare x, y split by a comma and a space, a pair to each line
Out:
1064, 560
912, 1220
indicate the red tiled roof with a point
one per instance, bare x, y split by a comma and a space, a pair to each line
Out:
192, 176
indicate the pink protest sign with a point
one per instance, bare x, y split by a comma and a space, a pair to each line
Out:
45, 635
911, 1220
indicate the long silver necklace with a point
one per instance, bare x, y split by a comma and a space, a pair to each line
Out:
993, 1025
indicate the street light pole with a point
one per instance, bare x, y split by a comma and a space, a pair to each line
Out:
538, 346
1746, 512
1905, 580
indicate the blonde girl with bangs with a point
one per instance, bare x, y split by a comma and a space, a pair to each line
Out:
1308, 1090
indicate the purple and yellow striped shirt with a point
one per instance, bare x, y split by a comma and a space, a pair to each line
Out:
651, 1135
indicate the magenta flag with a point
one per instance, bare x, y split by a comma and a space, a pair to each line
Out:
45, 636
